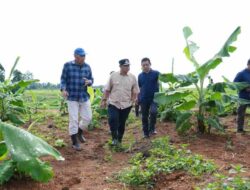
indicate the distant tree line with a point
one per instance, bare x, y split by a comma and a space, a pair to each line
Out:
18, 76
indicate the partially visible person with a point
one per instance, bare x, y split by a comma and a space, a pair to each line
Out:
121, 93
243, 76
75, 78
148, 84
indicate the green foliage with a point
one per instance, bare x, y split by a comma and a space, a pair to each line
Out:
60, 143
163, 158
98, 112
2, 73
209, 101
38, 170
3, 151
6, 170
222, 182
25, 150
11, 98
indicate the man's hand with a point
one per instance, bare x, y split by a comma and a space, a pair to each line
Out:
103, 103
65, 94
86, 82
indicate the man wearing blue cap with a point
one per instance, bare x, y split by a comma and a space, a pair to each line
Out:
121, 92
75, 78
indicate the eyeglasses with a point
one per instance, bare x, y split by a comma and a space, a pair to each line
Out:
125, 65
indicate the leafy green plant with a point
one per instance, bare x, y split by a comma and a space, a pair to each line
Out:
24, 150
207, 102
223, 182
11, 98
60, 143
98, 112
163, 158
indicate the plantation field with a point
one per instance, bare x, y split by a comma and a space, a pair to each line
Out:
165, 161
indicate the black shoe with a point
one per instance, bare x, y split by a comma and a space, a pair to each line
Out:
241, 131
154, 132
75, 145
146, 136
80, 136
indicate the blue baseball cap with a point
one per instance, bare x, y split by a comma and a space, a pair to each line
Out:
80, 52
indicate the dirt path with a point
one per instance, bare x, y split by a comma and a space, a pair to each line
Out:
95, 166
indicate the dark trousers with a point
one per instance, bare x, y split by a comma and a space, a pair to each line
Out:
149, 114
241, 116
117, 120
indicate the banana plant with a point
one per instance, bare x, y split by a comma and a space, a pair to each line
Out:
20, 151
203, 103
11, 100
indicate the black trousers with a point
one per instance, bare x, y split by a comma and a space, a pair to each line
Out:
117, 120
149, 114
241, 116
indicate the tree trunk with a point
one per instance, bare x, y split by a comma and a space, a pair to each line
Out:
201, 125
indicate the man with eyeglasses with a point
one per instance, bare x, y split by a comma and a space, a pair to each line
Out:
121, 93
75, 78
148, 84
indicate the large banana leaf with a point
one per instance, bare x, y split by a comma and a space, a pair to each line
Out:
166, 98
204, 69
15, 119
168, 77
21, 85
227, 48
24, 146
38, 170
183, 80
183, 122
225, 51
214, 122
187, 105
25, 150
191, 47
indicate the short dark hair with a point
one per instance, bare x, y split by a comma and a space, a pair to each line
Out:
146, 59
248, 62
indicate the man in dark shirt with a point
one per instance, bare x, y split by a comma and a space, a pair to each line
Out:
75, 78
243, 76
148, 84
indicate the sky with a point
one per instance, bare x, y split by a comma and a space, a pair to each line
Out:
44, 33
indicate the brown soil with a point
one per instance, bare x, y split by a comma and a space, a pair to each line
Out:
95, 166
